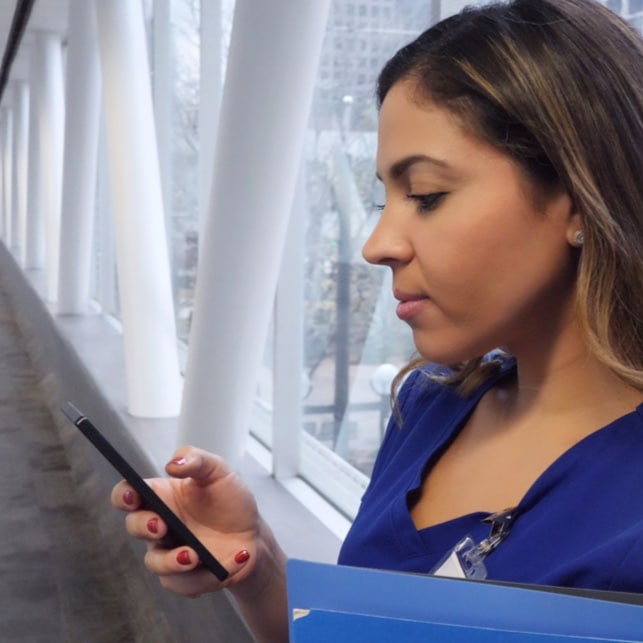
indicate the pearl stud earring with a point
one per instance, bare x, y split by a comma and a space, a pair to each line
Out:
578, 239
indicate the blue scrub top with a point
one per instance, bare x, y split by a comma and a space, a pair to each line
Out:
579, 525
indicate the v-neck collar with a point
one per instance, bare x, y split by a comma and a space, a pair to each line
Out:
442, 536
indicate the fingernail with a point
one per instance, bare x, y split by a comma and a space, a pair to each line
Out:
153, 525
183, 557
178, 461
128, 497
242, 556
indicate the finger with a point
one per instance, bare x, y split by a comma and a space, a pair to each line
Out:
202, 466
165, 562
145, 525
191, 584
184, 561
124, 497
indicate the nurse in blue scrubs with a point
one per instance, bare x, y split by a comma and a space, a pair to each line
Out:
510, 153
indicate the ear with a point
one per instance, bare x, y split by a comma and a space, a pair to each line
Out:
574, 230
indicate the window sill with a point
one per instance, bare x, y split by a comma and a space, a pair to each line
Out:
305, 524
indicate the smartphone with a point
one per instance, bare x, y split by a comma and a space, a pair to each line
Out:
178, 533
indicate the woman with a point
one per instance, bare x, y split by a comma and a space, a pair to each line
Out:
509, 151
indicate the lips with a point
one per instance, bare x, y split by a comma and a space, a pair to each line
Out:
410, 305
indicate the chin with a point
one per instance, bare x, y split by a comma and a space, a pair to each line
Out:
447, 354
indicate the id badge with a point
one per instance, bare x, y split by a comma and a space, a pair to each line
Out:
466, 559
463, 561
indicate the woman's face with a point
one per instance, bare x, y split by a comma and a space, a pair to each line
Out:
476, 263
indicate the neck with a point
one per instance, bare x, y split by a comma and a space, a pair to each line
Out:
565, 377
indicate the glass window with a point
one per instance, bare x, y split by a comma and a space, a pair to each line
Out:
183, 215
353, 344
637, 22
104, 278
636, 6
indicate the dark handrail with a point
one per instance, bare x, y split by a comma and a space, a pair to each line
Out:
18, 26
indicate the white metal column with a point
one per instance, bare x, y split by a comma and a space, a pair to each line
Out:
35, 226
288, 387
210, 86
82, 114
51, 123
436, 8
149, 329
162, 61
272, 63
20, 91
106, 278
7, 172
450, 7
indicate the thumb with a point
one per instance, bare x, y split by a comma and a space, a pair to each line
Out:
202, 466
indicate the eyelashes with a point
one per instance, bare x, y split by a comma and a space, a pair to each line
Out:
424, 202
427, 202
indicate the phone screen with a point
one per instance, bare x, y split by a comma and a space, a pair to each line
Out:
178, 533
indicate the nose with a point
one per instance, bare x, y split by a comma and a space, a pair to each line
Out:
387, 245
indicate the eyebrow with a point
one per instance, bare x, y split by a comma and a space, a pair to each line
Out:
398, 168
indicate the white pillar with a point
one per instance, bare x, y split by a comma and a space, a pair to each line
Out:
105, 260
451, 7
289, 345
81, 150
51, 123
162, 89
211, 76
35, 224
272, 63
7, 173
149, 329
435, 10
20, 155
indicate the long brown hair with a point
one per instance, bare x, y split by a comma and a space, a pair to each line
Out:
558, 86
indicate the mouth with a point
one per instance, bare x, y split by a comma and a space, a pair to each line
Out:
409, 304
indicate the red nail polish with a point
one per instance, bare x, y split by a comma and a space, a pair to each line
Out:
128, 497
242, 556
183, 557
153, 525
178, 461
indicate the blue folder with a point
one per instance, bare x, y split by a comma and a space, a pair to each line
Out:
347, 604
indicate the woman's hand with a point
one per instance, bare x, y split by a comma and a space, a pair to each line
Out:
220, 511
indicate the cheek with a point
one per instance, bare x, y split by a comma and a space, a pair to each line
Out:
459, 262
473, 233
481, 272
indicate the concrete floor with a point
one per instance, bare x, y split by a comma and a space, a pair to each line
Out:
53, 585
68, 571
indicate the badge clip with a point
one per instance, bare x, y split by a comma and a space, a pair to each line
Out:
466, 559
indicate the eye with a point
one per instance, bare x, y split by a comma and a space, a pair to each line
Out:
427, 202
378, 206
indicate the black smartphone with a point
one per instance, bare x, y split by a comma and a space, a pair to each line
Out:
178, 533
